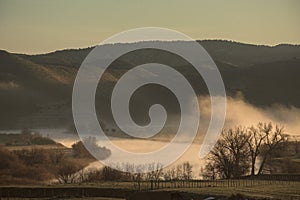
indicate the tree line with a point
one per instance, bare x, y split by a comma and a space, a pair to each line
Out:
240, 151
244, 150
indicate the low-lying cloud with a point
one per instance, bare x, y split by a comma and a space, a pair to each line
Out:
242, 113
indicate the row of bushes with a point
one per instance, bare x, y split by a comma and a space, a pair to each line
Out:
35, 166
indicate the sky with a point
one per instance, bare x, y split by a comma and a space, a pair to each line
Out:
39, 26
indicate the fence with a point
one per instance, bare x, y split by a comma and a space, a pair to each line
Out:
123, 189
160, 184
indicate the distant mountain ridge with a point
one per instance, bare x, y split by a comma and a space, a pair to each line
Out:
239, 53
35, 90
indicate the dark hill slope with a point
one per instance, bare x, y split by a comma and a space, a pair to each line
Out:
35, 90
266, 84
25, 87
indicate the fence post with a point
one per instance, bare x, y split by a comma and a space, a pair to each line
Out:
139, 185
151, 184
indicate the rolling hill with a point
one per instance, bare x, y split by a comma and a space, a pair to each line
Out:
35, 90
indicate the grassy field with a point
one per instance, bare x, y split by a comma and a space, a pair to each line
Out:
258, 189
276, 190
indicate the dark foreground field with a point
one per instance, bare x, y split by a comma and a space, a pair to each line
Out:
127, 190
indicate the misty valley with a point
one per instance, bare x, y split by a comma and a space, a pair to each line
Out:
42, 151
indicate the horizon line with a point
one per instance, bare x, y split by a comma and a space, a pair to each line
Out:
132, 42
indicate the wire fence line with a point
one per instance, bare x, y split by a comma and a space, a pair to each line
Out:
161, 184
124, 188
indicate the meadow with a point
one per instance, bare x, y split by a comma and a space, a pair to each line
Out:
257, 189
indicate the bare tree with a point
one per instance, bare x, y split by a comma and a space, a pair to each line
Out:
187, 171
179, 172
155, 171
263, 139
209, 172
256, 140
240, 149
170, 174
229, 157
68, 172
274, 135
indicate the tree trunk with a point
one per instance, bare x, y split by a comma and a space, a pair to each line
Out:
262, 165
253, 167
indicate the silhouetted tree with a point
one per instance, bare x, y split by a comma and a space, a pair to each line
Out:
155, 171
239, 149
170, 174
263, 140
229, 156
256, 140
187, 171
68, 172
274, 135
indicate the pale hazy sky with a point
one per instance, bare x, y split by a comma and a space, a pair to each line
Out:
36, 26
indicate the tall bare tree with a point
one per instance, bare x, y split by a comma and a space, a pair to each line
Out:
155, 171
230, 155
239, 149
274, 135
256, 140
263, 139
187, 169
